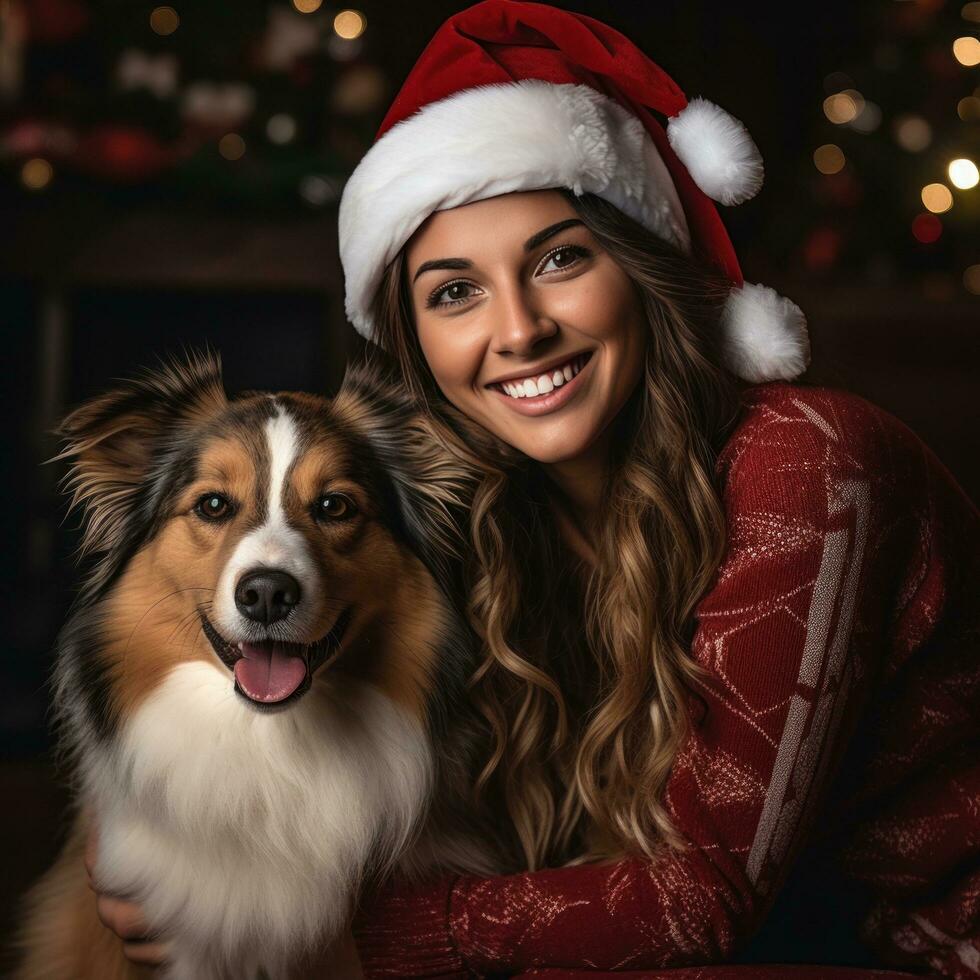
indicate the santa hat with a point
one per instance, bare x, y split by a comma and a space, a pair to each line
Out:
512, 96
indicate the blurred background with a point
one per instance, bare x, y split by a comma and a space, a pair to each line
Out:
169, 176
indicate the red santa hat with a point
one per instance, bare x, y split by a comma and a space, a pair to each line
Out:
513, 96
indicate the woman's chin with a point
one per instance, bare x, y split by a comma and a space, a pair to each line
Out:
560, 448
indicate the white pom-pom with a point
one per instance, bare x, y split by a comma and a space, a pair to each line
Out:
764, 335
717, 150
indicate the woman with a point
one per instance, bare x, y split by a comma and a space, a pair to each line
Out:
730, 674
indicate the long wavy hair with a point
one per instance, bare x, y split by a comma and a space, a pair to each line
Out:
587, 679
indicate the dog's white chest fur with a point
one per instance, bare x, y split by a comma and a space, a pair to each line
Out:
244, 834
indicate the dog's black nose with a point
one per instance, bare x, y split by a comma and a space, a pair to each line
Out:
266, 595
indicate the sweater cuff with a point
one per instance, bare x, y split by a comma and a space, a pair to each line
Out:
403, 930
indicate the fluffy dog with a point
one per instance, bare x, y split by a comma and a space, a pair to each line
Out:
255, 684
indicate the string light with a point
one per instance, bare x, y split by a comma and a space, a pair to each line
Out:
164, 21
937, 198
926, 228
349, 24
36, 174
966, 50
913, 133
307, 6
231, 146
963, 174
829, 159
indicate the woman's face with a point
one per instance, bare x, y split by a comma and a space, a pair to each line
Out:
515, 293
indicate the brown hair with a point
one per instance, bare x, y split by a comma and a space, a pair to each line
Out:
585, 694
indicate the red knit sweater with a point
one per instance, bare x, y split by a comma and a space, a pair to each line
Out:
832, 791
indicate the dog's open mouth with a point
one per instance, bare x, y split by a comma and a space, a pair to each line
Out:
272, 672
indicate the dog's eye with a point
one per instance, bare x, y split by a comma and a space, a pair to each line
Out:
213, 507
333, 506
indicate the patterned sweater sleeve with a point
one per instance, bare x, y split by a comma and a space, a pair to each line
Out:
792, 632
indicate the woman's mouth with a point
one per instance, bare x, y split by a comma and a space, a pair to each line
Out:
548, 401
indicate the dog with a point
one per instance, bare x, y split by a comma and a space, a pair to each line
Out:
260, 688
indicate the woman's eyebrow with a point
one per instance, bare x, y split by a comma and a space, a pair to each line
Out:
529, 246
542, 236
442, 264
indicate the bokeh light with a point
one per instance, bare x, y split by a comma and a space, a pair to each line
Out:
319, 190
36, 174
968, 109
963, 173
937, 198
912, 133
966, 50
231, 146
971, 279
926, 228
281, 129
164, 21
843, 106
971, 11
307, 6
349, 24
829, 158
868, 119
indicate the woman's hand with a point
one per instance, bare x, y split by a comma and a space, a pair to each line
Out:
123, 918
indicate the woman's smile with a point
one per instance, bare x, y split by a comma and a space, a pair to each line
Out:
545, 392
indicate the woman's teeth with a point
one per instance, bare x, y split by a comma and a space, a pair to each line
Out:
543, 383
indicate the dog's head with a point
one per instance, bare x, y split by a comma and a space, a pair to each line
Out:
281, 537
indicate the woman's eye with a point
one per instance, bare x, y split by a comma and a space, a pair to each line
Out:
214, 507
333, 506
562, 258
450, 294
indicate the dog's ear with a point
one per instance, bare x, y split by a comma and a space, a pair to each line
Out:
432, 478
114, 441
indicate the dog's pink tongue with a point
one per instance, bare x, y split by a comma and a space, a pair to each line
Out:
267, 673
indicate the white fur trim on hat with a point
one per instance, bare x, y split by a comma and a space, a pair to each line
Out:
717, 150
490, 140
764, 335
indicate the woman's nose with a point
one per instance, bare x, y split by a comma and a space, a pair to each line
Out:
519, 323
